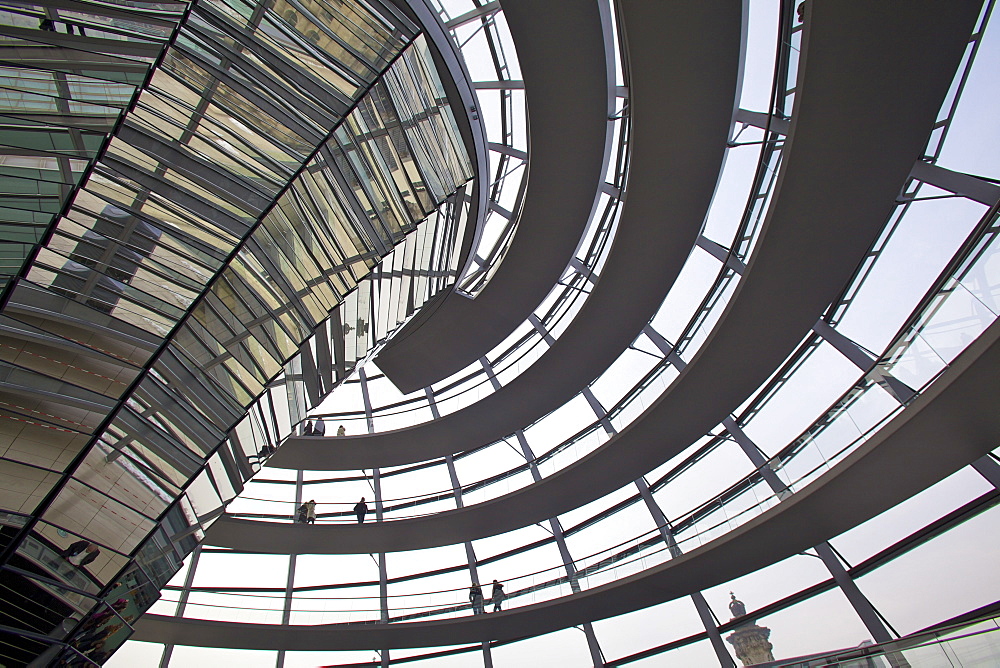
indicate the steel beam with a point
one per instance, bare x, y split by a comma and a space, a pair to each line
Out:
965, 185
487, 10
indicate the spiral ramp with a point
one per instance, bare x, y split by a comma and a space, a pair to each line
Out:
633, 114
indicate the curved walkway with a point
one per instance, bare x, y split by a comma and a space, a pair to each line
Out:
826, 213
904, 458
569, 88
676, 157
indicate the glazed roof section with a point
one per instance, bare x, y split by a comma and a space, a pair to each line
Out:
313, 569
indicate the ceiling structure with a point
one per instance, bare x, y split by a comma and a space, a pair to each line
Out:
626, 305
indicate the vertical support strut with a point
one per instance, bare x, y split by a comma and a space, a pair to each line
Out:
862, 606
708, 620
456, 488
700, 604
168, 650
858, 356
286, 611
869, 617
383, 579
554, 525
756, 457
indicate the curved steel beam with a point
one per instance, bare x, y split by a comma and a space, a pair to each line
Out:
569, 88
832, 200
676, 157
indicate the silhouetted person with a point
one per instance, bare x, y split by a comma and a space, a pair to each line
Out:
75, 548
476, 598
341, 431
81, 553
308, 429
361, 509
47, 24
303, 513
310, 511
497, 596
320, 428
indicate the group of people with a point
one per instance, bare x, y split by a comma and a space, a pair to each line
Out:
497, 597
311, 428
307, 512
318, 428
